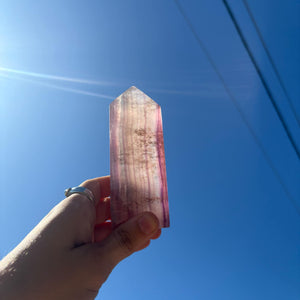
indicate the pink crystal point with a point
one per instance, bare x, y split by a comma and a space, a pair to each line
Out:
137, 158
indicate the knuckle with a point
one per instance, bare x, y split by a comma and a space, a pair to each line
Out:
81, 206
86, 182
124, 240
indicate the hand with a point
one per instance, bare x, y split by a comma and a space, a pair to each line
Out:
71, 252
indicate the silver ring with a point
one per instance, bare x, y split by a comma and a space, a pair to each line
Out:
81, 190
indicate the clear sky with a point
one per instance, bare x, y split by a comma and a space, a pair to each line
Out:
234, 225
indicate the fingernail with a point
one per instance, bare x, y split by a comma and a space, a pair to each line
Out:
148, 223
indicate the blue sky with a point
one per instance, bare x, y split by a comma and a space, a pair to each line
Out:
234, 227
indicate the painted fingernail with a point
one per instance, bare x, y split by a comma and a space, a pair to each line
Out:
148, 223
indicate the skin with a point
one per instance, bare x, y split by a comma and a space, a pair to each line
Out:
72, 251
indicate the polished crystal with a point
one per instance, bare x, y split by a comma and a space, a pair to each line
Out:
137, 158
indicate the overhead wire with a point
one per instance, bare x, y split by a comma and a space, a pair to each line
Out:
271, 61
236, 104
262, 79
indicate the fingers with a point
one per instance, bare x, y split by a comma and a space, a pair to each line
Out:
102, 231
100, 187
126, 239
103, 211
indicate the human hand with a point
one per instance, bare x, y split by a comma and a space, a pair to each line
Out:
71, 252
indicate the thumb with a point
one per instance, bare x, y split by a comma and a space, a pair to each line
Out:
129, 237
126, 239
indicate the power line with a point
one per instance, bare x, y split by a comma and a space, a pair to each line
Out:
272, 61
262, 79
236, 104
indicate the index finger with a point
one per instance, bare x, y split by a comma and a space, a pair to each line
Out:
100, 187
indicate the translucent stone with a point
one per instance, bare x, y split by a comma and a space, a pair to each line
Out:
137, 158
